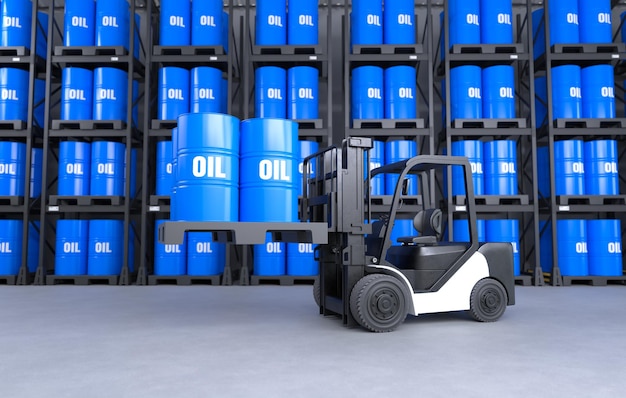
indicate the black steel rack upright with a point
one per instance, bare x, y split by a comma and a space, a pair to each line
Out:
86, 207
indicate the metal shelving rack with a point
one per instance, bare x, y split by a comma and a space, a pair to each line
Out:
86, 207
522, 130
586, 206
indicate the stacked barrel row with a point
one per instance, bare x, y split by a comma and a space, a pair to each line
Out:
278, 22
197, 23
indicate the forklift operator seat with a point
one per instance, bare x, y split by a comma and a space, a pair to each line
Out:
428, 224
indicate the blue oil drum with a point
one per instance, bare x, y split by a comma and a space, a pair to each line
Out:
16, 23
572, 247
206, 167
566, 92
569, 167
13, 94
496, 21
301, 260
500, 166
366, 22
541, 101
32, 255
545, 246
598, 92
399, 23
110, 94
169, 260
303, 93
105, 252
461, 230
605, 247
270, 259
271, 23
225, 30
164, 175
10, 246
464, 21
367, 93
173, 92
505, 231
175, 23
595, 21
465, 92
40, 102
76, 94
206, 90
107, 168
498, 84
302, 22
71, 247
539, 33
563, 16
206, 23
112, 23
401, 92
79, 19
377, 159
601, 167
543, 171
402, 228
473, 150
36, 167
74, 174
269, 170
270, 98
204, 257
396, 151
12, 168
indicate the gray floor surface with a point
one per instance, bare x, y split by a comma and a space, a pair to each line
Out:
269, 341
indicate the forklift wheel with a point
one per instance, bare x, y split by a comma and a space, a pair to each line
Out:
488, 300
317, 294
378, 302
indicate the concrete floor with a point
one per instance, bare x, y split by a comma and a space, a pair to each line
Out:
269, 341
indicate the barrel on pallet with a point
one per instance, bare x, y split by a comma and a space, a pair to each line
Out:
569, 167
303, 93
164, 176
566, 92
13, 94
204, 256
601, 167
605, 247
74, 175
465, 92
106, 247
303, 22
572, 247
598, 92
206, 165
173, 92
271, 23
563, 16
169, 260
36, 167
10, 246
498, 92
12, 168
79, 23
461, 230
71, 247
110, 94
396, 151
464, 21
505, 231
500, 166
206, 90
107, 168
399, 24
112, 23
76, 93
175, 23
496, 21
473, 150
16, 23
377, 159
270, 99
206, 23
366, 22
595, 21
367, 92
400, 92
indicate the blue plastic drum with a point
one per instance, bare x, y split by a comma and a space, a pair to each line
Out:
204, 257
598, 92
399, 24
301, 260
271, 23
564, 21
366, 22
13, 94
461, 230
500, 166
206, 167
270, 99
473, 150
401, 92
164, 175
465, 92
595, 21
77, 94
396, 151
569, 167
206, 90
74, 174
169, 260
303, 94
173, 92
303, 22
464, 21
496, 21
206, 22
572, 247
605, 247
112, 23
541, 101
566, 92
16, 23
498, 84
12, 168
10, 246
106, 247
36, 166
270, 259
505, 231
107, 168
79, 19
367, 93
110, 94
71, 247
175, 23
377, 159
601, 167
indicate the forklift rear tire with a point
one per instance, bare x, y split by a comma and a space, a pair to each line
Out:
378, 302
317, 293
488, 300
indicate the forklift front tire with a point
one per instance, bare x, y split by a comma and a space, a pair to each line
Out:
378, 302
488, 300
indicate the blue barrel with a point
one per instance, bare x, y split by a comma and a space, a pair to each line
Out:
366, 22
545, 246
464, 21
40, 102
107, 168
302, 22
204, 257
16, 23
36, 167
110, 94
164, 175
112, 23
598, 92
569, 168
496, 21
377, 159
74, 168
206, 23
106, 247
605, 247
595, 21
539, 33
71, 248
270, 98
76, 94
401, 92
498, 84
572, 247
173, 92
543, 171
206, 167
175, 23
402, 228
269, 170
461, 231
303, 94
473, 150
10, 246
271, 23
270, 259
301, 260
206, 90
566, 92
500, 166
465, 92
399, 24
505, 231
13, 94
12, 168
563, 16
601, 167
396, 151
367, 93
79, 19
541, 101
169, 260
